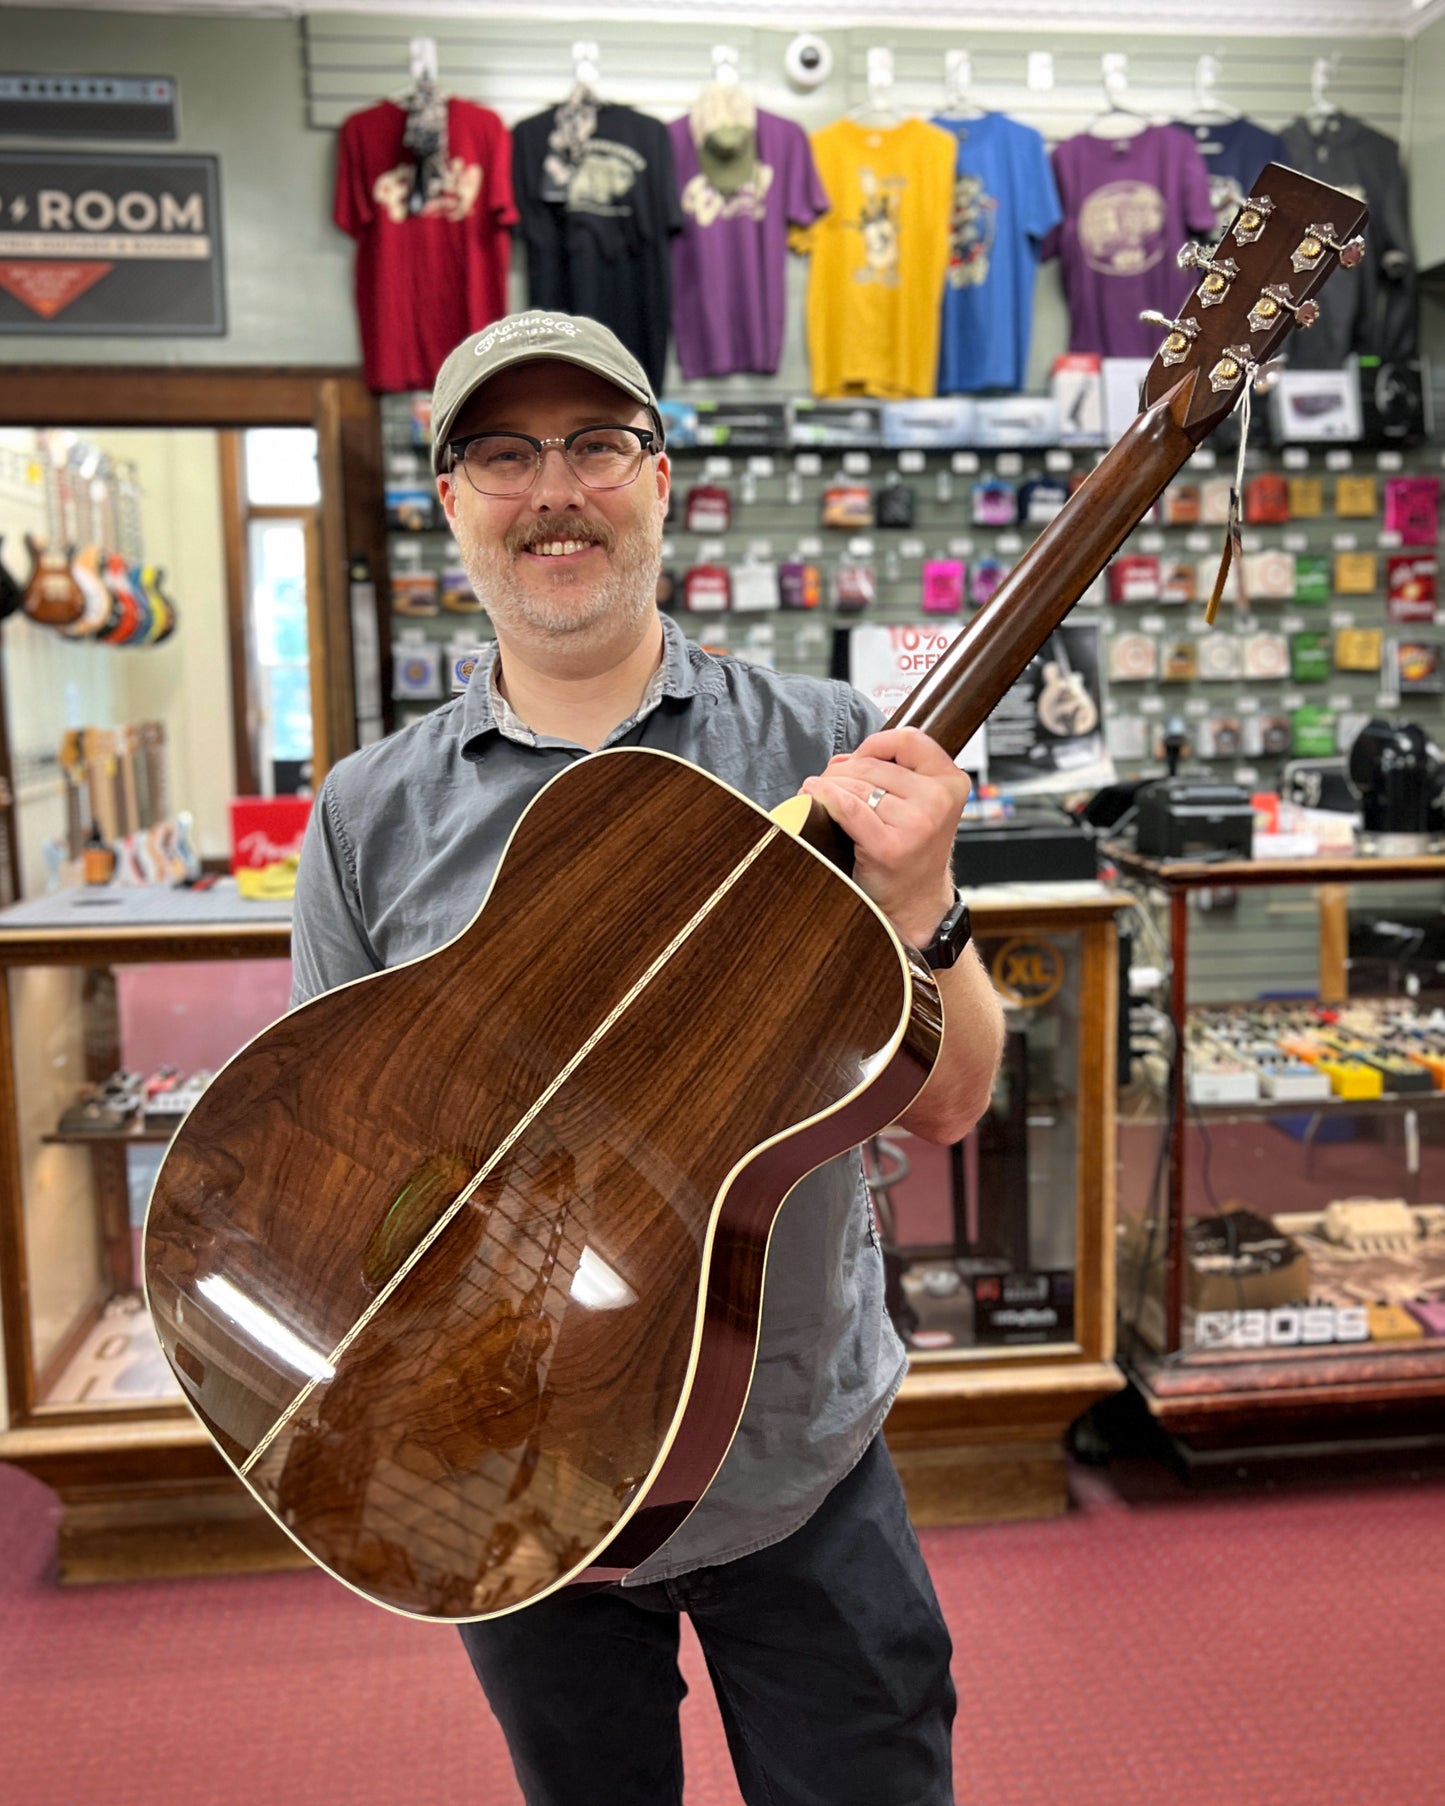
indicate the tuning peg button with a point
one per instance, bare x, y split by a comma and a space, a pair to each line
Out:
1275, 299
1319, 239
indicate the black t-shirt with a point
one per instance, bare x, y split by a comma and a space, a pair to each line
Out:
598, 211
1373, 308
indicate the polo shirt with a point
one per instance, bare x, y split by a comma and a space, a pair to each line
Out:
401, 847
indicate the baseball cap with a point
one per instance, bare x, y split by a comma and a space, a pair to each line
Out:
723, 121
527, 338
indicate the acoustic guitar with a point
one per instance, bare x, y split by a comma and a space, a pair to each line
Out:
462, 1263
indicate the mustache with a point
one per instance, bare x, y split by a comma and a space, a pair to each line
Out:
527, 534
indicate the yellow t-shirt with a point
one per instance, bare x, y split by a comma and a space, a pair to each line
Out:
879, 258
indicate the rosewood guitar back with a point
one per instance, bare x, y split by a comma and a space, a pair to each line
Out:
458, 1424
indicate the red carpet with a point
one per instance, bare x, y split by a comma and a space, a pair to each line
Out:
1151, 1648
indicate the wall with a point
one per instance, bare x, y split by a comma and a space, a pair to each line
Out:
242, 98
266, 95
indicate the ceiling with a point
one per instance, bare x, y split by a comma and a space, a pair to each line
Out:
1226, 18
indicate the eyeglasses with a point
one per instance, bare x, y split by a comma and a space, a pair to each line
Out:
601, 457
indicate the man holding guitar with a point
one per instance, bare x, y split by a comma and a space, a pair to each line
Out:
799, 1567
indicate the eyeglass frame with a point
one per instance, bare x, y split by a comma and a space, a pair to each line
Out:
644, 435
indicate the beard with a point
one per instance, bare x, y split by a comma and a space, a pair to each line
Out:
567, 601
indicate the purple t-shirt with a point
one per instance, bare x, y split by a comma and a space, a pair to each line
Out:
1129, 204
729, 263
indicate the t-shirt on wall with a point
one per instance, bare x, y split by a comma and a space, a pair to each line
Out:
1234, 152
879, 255
424, 280
1129, 204
599, 209
1004, 204
729, 264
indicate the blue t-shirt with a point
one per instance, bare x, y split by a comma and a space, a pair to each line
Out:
1234, 152
1004, 201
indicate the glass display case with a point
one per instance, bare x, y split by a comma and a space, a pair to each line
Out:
999, 1250
116, 1002
1282, 1245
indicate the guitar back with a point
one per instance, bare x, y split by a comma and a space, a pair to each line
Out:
441, 1257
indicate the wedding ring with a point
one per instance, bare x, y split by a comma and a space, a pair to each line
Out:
876, 796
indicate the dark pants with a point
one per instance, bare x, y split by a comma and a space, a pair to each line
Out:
827, 1651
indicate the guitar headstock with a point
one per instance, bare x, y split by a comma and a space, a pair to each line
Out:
1255, 287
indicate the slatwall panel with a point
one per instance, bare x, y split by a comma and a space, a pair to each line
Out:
518, 68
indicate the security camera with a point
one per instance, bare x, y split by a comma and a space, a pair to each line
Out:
808, 61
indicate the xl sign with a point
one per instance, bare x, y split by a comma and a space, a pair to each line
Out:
110, 245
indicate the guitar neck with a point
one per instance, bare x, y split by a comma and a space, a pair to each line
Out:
972, 677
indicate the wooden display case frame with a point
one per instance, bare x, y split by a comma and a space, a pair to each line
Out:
144, 1493
981, 1437
1219, 1404
142, 1489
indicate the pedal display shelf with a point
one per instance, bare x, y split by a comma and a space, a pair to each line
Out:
1275, 1380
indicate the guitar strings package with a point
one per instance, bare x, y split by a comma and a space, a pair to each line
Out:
455, 593
942, 586
414, 593
1132, 658
754, 587
707, 589
416, 671
709, 509
854, 587
800, 584
1220, 656
1412, 509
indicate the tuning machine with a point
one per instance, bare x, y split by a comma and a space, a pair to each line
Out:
1252, 218
1234, 364
1220, 272
1182, 334
1276, 299
1319, 239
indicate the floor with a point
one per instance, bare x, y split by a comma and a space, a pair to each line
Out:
1149, 1646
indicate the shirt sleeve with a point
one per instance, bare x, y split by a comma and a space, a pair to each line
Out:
1044, 214
329, 944
1052, 241
352, 211
805, 197
858, 717
802, 237
1198, 206
499, 176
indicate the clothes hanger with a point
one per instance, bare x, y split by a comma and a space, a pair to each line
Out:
422, 57
957, 80
879, 109
1117, 121
585, 54
1322, 111
1207, 104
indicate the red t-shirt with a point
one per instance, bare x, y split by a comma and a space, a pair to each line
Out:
424, 280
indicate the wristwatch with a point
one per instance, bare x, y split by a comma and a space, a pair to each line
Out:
950, 937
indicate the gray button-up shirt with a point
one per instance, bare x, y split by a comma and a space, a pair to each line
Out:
401, 847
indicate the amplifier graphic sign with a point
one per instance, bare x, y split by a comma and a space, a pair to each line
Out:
111, 245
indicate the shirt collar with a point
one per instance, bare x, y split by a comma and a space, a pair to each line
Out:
684, 672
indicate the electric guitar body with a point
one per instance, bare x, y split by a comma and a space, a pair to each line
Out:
452, 1355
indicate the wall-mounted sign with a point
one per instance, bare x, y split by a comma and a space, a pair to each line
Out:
110, 245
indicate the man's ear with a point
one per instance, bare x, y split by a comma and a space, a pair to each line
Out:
664, 479
447, 490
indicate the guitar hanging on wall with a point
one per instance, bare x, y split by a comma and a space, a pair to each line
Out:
461, 1264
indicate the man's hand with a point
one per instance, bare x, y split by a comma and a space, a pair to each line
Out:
904, 840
